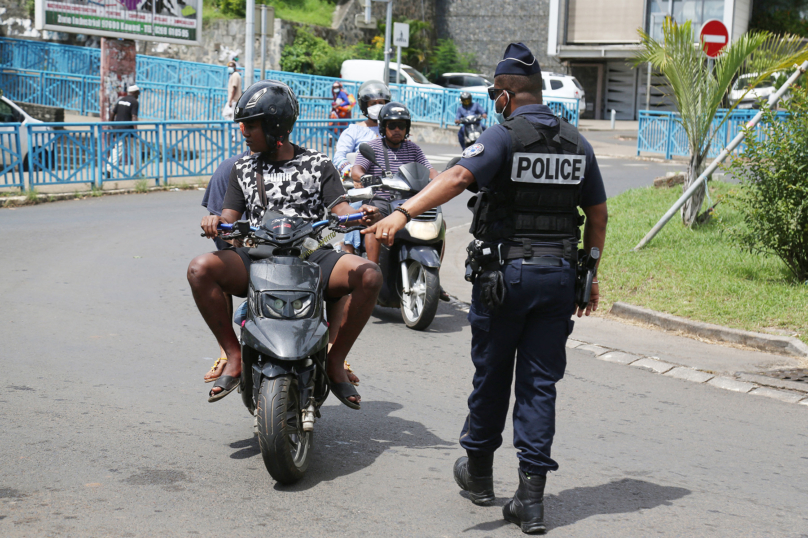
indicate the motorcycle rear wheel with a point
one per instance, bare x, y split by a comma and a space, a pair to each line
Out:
284, 445
419, 308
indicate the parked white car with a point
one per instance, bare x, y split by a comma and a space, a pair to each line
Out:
467, 82
761, 91
11, 113
563, 86
362, 70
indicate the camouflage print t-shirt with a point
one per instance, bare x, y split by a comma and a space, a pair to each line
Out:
300, 187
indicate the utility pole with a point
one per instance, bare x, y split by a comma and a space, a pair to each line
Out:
249, 49
263, 41
388, 49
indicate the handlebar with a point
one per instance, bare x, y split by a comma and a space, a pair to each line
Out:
225, 227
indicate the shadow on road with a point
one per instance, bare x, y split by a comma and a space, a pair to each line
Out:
346, 441
618, 497
448, 319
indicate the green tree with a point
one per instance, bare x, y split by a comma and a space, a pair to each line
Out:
774, 187
699, 90
780, 17
447, 59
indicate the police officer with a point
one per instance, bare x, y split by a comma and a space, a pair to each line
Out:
531, 173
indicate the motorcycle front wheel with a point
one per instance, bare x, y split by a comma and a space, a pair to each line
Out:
284, 445
418, 308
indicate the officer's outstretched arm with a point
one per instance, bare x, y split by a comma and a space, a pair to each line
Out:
440, 190
594, 236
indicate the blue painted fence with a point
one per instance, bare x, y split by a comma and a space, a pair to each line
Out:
180, 90
71, 153
662, 132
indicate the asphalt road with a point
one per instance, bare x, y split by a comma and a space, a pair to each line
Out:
107, 431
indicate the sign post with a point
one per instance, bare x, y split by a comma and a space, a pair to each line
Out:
714, 36
401, 38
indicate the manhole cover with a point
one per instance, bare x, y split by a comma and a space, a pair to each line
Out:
799, 375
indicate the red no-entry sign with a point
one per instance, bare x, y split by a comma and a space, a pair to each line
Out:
714, 37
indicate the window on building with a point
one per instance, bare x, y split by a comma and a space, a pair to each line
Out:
696, 11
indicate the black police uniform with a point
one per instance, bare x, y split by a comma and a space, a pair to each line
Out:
532, 325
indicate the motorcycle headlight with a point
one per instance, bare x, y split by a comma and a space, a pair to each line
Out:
425, 230
286, 304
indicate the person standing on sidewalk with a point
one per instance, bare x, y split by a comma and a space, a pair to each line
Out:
532, 173
233, 94
124, 111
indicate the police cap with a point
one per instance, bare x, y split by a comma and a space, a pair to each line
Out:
518, 60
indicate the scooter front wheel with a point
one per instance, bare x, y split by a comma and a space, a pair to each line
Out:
419, 306
284, 445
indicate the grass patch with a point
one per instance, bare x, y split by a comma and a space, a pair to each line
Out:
696, 273
95, 191
319, 12
141, 185
31, 196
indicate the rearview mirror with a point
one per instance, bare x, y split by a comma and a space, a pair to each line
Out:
367, 153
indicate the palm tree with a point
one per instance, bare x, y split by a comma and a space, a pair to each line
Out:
698, 90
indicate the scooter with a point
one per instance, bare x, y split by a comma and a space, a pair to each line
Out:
473, 128
410, 267
284, 336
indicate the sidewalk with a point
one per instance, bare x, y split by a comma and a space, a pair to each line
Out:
632, 339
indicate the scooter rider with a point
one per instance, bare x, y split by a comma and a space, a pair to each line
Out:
393, 150
467, 108
373, 95
532, 172
284, 178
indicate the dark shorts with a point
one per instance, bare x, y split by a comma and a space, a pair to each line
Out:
221, 244
383, 205
326, 257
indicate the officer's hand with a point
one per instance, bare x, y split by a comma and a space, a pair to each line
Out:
594, 298
457, 122
385, 230
372, 215
209, 224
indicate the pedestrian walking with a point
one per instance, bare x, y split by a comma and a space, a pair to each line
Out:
531, 173
122, 137
233, 94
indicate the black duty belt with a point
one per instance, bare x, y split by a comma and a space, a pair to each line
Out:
512, 252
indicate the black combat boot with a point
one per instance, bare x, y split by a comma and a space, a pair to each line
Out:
526, 509
475, 474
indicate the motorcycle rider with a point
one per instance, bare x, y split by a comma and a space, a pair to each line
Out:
393, 150
373, 95
467, 108
285, 178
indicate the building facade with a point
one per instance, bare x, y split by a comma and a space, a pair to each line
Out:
597, 39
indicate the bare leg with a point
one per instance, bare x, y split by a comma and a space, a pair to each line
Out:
372, 248
212, 277
336, 313
213, 374
362, 280
346, 247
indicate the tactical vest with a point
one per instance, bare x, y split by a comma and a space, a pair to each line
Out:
536, 196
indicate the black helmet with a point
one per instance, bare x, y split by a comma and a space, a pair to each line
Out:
371, 91
465, 98
391, 112
275, 104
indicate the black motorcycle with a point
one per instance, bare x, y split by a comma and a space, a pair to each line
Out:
284, 336
473, 128
410, 267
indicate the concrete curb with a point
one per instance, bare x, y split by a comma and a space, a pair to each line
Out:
19, 201
757, 385
771, 343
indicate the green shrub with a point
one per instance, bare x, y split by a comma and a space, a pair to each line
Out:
774, 196
141, 185
447, 59
315, 56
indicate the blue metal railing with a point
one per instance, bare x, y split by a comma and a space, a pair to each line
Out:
72, 153
182, 90
662, 132
11, 155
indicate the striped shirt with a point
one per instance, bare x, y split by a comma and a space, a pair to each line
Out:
407, 152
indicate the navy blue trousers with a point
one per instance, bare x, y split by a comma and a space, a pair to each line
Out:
460, 136
530, 329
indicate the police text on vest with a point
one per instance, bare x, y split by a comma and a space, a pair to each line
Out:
548, 168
